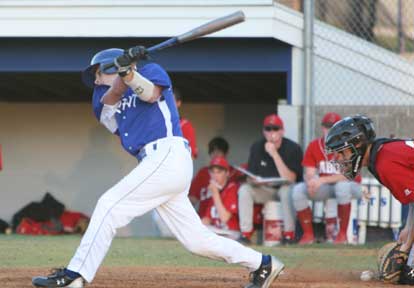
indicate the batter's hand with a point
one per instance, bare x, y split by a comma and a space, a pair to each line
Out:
124, 64
137, 53
130, 56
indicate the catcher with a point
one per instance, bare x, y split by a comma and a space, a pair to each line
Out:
353, 143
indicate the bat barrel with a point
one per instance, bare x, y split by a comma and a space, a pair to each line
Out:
212, 26
208, 28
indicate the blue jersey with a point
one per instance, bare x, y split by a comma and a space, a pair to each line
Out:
139, 122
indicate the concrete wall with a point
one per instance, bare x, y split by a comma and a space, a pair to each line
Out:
59, 147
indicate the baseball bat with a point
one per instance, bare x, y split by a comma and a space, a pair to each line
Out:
205, 29
208, 28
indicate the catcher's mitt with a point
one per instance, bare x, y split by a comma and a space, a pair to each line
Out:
391, 262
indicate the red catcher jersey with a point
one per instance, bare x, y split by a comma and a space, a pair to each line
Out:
189, 134
200, 182
315, 157
395, 168
229, 198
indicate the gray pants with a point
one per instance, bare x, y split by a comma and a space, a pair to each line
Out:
250, 194
343, 191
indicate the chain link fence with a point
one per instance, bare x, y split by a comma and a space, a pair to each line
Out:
364, 61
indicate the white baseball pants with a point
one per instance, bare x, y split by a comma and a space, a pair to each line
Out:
160, 181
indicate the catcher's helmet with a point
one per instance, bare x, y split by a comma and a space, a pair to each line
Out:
353, 133
99, 60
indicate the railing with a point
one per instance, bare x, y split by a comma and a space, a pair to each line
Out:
380, 209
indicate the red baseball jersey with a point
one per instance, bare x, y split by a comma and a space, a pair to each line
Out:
198, 188
189, 134
316, 157
394, 165
229, 198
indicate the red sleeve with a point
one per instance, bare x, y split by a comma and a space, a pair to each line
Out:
189, 134
200, 180
309, 159
394, 165
230, 199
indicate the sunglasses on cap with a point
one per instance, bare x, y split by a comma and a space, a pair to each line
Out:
271, 128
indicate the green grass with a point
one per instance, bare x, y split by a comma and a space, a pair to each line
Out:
52, 251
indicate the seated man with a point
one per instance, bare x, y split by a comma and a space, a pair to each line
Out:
271, 156
323, 181
222, 213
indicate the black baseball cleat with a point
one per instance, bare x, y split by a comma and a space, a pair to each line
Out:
266, 274
58, 278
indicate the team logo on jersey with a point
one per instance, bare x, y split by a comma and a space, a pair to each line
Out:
407, 191
410, 143
263, 163
127, 102
327, 167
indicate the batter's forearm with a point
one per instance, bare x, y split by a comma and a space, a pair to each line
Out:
114, 94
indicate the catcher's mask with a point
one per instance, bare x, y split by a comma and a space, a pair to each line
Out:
99, 60
348, 140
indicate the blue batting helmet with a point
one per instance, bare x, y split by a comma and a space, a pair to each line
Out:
98, 61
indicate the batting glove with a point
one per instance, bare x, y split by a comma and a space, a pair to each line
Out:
137, 53
123, 64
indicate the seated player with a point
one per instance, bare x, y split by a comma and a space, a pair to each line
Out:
221, 212
199, 193
323, 181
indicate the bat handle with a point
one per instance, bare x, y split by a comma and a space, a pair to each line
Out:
168, 43
163, 45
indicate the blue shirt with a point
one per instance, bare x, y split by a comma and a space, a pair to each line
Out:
140, 122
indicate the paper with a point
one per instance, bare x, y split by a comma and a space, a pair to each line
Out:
272, 181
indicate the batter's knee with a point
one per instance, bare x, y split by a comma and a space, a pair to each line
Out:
343, 192
299, 196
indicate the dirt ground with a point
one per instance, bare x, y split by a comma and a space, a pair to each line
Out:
163, 277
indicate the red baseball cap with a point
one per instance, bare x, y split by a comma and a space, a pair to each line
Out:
273, 120
330, 118
219, 161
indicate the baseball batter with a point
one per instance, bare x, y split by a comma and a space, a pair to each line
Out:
138, 106
353, 144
